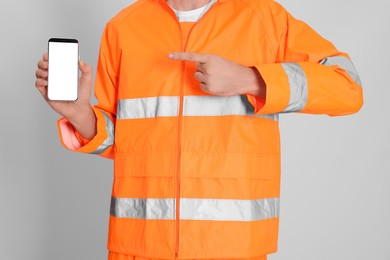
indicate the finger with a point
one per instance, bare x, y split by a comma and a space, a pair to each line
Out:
41, 85
200, 76
203, 87
45, 56
203, 67
43, 64
85, 68
41, 74
86, 73
188, 56
200, 67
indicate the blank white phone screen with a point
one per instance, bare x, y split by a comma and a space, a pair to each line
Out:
63, 71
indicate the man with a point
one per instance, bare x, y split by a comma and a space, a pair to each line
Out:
189, 93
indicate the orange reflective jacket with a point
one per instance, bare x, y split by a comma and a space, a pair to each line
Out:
198, 176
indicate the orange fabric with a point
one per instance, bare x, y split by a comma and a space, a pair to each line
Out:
118, 256
230, 157
81, 144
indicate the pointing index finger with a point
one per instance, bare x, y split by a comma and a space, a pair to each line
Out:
188, 56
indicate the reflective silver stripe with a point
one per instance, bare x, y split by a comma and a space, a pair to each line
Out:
298, 87
110, 135
217, 106
274, 117
143, 208
345, 64
221, 106
229, 210
196, 209
164, 106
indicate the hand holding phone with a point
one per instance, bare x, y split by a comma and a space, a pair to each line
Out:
63, 72
79, 113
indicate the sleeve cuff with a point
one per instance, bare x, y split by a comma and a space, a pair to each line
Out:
277, 90
68, 135
73, 141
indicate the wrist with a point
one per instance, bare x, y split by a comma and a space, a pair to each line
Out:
84, 121
255, 84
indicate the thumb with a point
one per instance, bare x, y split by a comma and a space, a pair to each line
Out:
86, 73
85, 68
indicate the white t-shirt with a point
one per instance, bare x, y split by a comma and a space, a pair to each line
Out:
193, 15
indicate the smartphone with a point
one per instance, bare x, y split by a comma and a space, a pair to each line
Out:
63, 72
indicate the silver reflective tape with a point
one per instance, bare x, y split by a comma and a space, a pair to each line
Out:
196, 209
143, 208
110, 135
344, 63
298, 87
274, 117
217, 106
168, 106
220, 106
229, 210
164, 106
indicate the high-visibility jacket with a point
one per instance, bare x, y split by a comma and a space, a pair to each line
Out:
195, 175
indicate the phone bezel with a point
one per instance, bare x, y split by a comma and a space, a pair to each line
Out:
63, 40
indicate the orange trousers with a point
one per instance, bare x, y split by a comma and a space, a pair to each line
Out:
117, 256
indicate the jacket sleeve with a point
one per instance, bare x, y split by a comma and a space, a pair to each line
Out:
105, 110
309, 74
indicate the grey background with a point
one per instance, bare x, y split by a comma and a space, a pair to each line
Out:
335, 185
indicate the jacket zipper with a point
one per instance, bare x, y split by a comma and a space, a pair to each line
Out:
180, 125
178, 169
